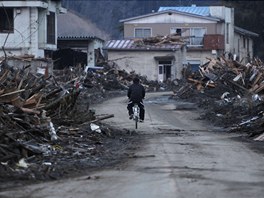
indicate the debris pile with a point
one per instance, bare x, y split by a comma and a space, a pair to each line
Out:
30, 106
109, 78
173, 39
47, 126
230, 92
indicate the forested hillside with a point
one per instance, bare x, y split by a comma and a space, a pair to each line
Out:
107, 13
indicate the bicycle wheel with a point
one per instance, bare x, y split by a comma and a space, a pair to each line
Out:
136, 122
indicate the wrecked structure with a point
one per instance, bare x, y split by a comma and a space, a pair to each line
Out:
29, 27
230, 93
158, 58
211, 31
44, 115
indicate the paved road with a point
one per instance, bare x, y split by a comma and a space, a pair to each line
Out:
183, 158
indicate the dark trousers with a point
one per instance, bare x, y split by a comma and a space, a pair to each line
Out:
141, 107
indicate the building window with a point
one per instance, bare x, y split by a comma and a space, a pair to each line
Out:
160, 69
6, 20
51, 28
177, 31
194, 64
197, 35
227, 33
247, 45
142, 32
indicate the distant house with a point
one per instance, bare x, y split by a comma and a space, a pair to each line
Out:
209, 31
156, 62
29, 27
80, 42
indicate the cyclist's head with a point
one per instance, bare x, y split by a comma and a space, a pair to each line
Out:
136, 80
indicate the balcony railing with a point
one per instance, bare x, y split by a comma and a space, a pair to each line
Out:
214, 42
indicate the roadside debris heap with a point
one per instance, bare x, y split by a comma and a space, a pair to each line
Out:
47, 126
230, 92
109, 78
29, 104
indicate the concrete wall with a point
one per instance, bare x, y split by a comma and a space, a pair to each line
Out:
168, 17
164, 28
243, 47
161, 25
29, 36
144, 63
227, 14
19, 41
40, 66
200, 56
95, 44
53, 7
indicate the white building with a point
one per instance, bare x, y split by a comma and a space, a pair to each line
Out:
29, 27
156, 62
210, 31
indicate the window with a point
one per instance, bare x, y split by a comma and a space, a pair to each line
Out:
6, 20
160, 69
51, 28
247, 45
194, 64
198, 34
142, 32
227, 33
176, 31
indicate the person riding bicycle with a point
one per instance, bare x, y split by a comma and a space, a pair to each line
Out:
136, 94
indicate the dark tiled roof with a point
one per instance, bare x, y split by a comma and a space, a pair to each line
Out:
72, 26
78, 38
245, 32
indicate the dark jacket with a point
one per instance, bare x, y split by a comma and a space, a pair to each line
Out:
136, 92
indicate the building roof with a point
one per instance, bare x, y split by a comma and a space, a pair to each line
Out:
171, 11
83, 38
202, 11
131, 45
242, 31
70, 25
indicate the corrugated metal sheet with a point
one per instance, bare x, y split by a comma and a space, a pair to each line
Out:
202, 11
130, 45
78, 38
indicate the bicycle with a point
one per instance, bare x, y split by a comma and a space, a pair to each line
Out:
136, 110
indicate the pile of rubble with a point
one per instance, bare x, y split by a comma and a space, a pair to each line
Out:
231, 94
109, 78
30, 105
47, 126
173, 39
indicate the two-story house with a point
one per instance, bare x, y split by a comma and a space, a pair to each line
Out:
209, 31
29, 27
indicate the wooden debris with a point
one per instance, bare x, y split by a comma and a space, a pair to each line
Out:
23, 99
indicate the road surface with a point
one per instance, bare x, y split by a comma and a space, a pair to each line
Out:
183, 157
